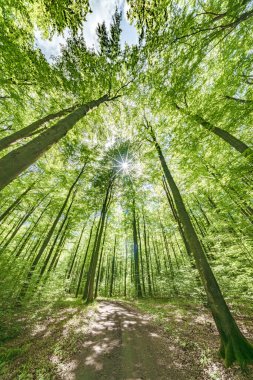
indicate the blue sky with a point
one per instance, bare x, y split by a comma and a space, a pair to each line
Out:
102, 10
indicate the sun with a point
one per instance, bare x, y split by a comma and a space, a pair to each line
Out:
125, 166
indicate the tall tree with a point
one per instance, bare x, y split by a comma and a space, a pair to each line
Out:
21, 158
234, 346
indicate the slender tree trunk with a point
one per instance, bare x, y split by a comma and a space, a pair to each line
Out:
174, 212
125, 271
21, 248
46, 240
21, 158
44, 266
89, 287
100, 261
73, 258
84, 260
237, 144
151, 267
141, 258
113, 268
34, 127
16, 203
147, 258
23, 220
59, 248
136, 256
234, 346
158, 266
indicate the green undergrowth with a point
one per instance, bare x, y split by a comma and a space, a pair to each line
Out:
37, 341
190, 325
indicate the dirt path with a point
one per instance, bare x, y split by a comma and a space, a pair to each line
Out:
122, 343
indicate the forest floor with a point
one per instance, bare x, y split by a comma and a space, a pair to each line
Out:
115, 340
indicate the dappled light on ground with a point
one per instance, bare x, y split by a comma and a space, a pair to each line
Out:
123, 344
111, 340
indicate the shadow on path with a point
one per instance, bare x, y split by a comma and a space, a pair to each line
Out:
124, 344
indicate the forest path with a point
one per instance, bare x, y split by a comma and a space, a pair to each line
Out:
122, 343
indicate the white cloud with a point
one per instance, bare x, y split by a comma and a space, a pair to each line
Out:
51, 47
102, 10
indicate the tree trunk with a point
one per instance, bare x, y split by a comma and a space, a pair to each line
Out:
34, 127
23, 220
73, 258
21, 158
147, 258
239, 145
113, 268
46, 240
44, 266
174, 212
84, 260
125, 271
136, 256
100, 261
21, 248
59, 248
89, 287
141, 259
16, 203
234, 346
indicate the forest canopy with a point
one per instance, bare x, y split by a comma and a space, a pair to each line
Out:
126, 169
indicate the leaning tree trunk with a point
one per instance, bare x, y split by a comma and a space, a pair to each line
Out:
74, 256
174, 212
234, 346
20, 248
59, 248
21, 158
46, 241
32, 128
22, 222
233, 141
15, 203
53, 246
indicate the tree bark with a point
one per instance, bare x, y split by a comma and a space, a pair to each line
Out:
174, 212
34, 127
45, 263
100, 261
16, 203
237, 144
46, 240
113, 268
88, 294
147, 258
84, 260
21, 158
136, 256
234, 346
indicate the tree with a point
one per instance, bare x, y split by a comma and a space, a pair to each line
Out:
18, 160
234, 346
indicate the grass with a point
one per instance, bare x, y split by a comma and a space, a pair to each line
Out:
191, 326
36, 343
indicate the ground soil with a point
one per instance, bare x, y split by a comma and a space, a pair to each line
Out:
124, 344
115, 340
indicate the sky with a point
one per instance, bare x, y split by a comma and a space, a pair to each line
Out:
102, 10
